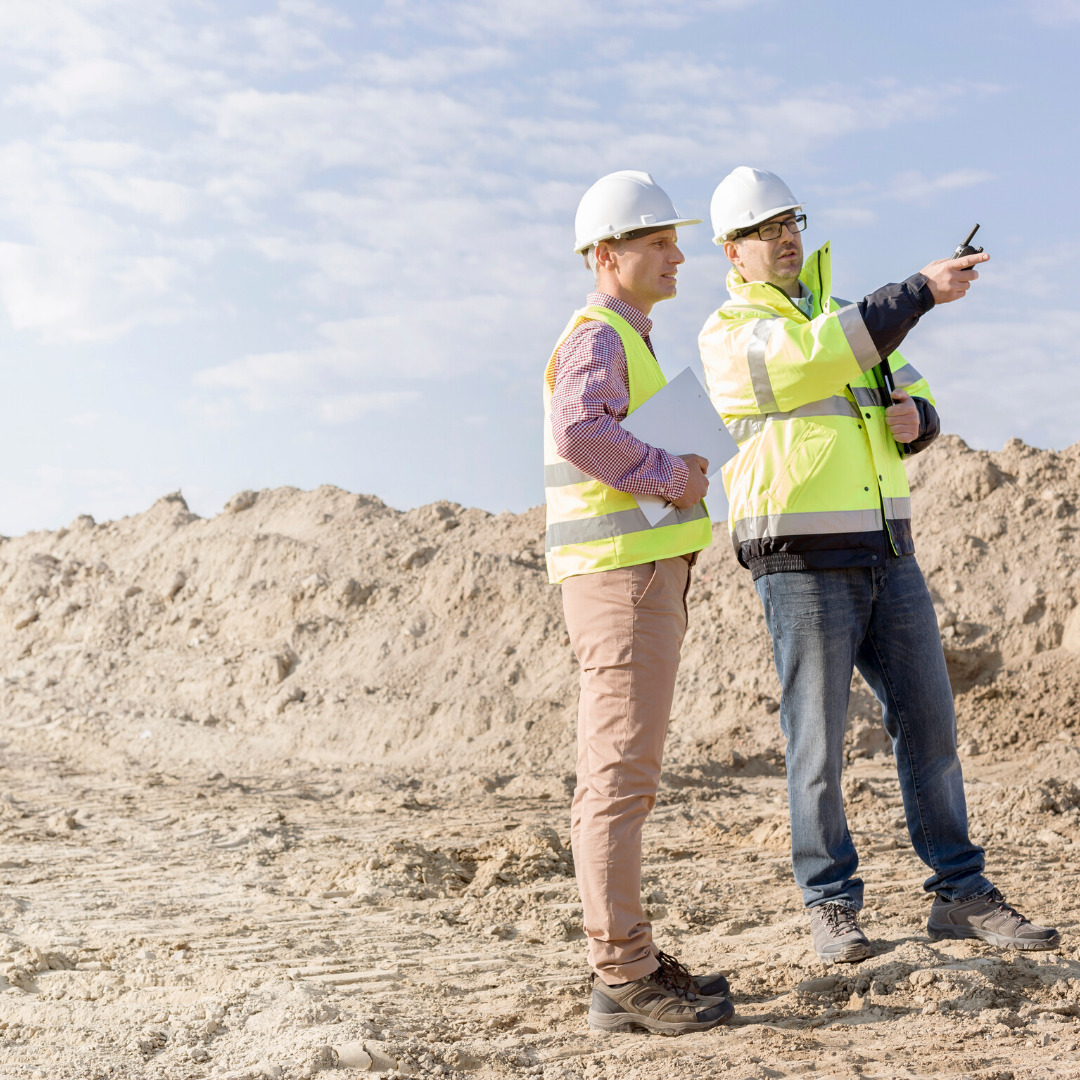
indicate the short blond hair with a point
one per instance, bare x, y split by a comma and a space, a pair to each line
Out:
618, 244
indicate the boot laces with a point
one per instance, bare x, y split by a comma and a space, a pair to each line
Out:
1005, 908
676, 974
839, 918
673, 976
670, 975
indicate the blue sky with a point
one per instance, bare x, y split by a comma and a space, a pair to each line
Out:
252, 244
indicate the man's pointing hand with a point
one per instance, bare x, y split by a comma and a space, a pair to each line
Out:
949, 279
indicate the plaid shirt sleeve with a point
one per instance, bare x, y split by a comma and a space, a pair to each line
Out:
590, 398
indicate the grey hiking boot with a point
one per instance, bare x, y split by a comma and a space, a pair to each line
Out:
656, 1003
713, 985
837, 937
990, 918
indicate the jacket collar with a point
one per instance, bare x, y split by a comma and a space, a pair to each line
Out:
816, 277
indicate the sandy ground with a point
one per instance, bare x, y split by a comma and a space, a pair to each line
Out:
286, 791
273, 924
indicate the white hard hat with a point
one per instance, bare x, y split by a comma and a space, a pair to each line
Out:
746, 197
622, 202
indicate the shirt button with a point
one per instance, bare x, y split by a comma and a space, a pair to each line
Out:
867, 415
879, 476
866, 489
873, 558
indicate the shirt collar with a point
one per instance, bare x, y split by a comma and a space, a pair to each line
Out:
641, 323
805, 300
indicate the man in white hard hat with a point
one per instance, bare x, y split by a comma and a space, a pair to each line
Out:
624, 587
826, 412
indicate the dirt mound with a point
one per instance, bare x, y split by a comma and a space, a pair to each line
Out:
382, 877
323, 626
998, 538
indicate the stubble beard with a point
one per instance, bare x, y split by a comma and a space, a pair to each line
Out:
787, 278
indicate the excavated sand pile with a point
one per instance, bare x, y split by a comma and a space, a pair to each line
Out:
323, 626
285, 792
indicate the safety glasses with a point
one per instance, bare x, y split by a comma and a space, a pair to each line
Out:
771, 230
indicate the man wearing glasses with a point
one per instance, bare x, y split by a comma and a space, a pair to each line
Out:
820, 514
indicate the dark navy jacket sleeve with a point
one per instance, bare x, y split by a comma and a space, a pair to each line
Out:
929, 426
891, 311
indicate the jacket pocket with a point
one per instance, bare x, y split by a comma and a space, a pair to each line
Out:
807, 450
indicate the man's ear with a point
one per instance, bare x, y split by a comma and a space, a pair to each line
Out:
606, 258
731, 250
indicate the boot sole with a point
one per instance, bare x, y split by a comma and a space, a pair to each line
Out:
850, 955
628, 1021
940, 933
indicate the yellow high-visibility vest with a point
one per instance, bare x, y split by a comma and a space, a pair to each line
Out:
593, 527
818, 469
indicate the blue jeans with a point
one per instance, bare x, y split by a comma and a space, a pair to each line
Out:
882, 621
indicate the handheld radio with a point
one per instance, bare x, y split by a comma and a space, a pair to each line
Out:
965, 248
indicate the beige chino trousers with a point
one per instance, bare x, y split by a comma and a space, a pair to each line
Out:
626, 627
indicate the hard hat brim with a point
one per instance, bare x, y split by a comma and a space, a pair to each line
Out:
674, 224
758, 219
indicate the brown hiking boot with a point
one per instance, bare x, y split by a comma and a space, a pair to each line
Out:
657, 1003
990, 918
713, 985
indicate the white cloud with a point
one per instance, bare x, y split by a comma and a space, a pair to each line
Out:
844, 217
972, 362
346, 212
527, 18
347, 407
216, 413
1055, 12
95, 83
32, 290
435, 339
170, 202
382, 173
43, 496
287, 45
431, 67
1032, 276
912, 186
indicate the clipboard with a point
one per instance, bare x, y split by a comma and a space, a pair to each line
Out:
680, 419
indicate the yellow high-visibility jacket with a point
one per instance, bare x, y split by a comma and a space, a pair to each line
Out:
593, 527
819, 482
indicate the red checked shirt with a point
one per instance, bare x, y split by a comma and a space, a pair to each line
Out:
591, 397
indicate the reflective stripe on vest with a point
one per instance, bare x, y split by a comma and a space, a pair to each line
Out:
906, 376
747, 426
607, 526
755, 359
826, 521
592, 527
563, 474
871, 396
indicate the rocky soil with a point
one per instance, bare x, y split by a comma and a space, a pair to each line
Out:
285, 792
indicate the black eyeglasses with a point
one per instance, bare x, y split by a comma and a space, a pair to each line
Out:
771, 230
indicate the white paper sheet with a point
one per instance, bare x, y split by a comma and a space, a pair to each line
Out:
681, 420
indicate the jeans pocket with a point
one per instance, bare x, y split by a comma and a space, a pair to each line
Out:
644, 574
